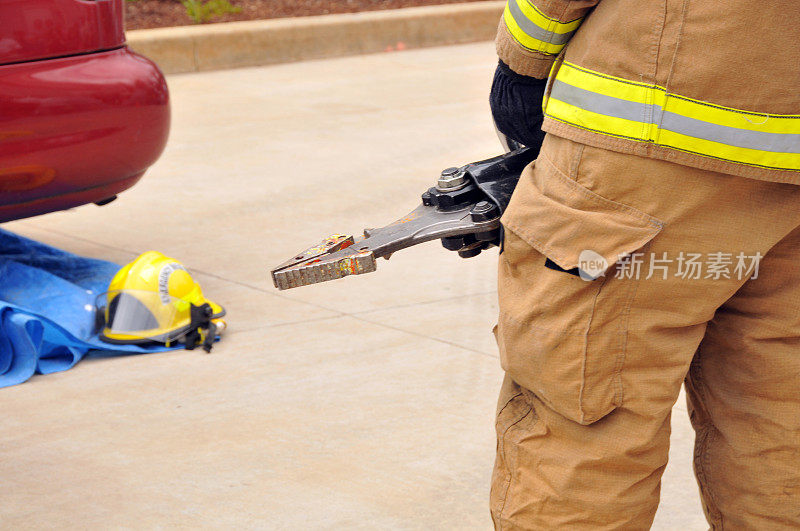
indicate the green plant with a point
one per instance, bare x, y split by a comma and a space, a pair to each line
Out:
202, 11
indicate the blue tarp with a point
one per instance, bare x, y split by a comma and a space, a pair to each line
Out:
47, 301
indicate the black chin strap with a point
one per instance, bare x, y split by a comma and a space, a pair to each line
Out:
202, 328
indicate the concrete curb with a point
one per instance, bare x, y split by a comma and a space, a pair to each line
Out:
262, 42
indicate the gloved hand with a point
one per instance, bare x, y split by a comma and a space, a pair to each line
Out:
516, 103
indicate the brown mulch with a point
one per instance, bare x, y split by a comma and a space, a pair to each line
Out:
142, 14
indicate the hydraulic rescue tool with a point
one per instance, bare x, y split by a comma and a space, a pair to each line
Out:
463, 210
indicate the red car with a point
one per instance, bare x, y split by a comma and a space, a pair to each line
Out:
81, 116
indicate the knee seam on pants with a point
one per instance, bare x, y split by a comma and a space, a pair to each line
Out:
707, 435
502, 450
500, 411
501, 436
703, 466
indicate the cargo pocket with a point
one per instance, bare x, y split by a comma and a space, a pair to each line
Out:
562, 336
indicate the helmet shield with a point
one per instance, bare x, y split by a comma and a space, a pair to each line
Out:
132, 316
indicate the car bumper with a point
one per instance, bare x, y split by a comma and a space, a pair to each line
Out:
78, 129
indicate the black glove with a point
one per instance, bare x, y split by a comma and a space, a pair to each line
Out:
516, 103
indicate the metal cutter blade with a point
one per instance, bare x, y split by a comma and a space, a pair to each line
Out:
321, 267
342, 255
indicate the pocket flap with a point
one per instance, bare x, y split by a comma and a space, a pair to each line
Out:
570, 224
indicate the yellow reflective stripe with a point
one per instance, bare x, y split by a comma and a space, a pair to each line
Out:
647, 113
528, 42
549, 24
752, 157
603, 84
733, 117
644, 93
592, 121
534, 30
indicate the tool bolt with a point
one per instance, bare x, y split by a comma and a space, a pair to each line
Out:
452, 178
484, 211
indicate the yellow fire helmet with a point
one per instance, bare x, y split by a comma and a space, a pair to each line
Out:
155, 299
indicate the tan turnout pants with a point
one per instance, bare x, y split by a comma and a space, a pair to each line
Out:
593, 367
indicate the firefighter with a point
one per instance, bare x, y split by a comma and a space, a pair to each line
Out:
655, 241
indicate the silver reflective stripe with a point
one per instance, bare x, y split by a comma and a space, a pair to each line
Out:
535, 31
676, 123
602, 104
762, 141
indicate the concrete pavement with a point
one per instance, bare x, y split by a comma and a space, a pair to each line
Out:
365, 403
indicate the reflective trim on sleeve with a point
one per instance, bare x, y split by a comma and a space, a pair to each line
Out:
647, 113
534, 30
